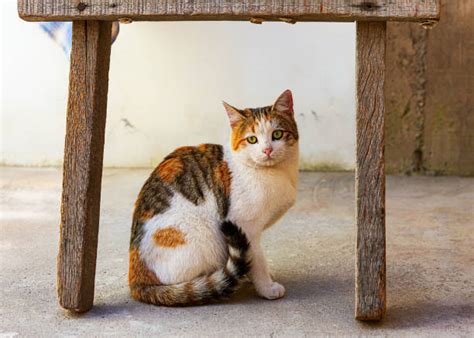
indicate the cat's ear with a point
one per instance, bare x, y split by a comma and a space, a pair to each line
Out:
235, 116
284, 103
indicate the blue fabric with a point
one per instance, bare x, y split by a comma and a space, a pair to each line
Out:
61, 33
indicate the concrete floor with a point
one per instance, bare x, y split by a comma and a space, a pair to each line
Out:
430, 232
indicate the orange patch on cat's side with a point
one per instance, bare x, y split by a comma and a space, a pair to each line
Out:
169, 169
223, 177
138, 272
169, 237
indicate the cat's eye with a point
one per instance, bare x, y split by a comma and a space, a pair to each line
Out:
277, 134
252, 139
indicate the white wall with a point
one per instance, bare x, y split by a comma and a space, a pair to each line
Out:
167, 81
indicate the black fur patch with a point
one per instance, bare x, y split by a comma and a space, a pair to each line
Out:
234, 236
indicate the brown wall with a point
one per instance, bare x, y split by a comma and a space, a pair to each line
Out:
430, 94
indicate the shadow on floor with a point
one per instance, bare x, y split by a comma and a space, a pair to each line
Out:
422, 315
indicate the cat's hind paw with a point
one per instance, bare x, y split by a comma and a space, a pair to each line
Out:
273, 291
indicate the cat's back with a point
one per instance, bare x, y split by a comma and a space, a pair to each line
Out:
178, 214
190, 173
187, 170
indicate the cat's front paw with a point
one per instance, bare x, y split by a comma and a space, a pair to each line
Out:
273, 291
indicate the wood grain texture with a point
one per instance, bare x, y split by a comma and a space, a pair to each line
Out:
84, 146
370, 171
270, 10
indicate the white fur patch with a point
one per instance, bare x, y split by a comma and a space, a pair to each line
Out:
234, 252
204, 251
231, 267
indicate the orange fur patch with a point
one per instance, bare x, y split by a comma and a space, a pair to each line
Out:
238, 132
237, 138
169, 169
138, 272
169, 237
223, 177
203, 147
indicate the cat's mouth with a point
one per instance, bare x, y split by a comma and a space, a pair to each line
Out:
266, 161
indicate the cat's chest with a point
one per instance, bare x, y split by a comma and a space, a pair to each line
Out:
257, 198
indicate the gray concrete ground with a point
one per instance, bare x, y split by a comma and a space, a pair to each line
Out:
430, 230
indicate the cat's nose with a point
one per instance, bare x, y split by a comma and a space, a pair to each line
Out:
267, 151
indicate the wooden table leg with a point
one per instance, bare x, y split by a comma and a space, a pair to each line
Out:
370, 172
83, 153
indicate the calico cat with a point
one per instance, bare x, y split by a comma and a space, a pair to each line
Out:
199, 217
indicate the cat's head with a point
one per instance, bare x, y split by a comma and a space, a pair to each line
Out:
264, 136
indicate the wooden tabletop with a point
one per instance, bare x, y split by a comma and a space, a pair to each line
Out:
254, 10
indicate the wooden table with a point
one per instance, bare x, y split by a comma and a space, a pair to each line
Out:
87, 106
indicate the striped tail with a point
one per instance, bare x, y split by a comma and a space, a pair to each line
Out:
204, 289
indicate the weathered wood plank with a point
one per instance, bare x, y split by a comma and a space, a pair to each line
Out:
271, 10
370, 171
88, 85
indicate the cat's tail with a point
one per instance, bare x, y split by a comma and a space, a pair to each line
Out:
204, 289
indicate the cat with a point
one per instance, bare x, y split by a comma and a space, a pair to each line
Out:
199, 217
